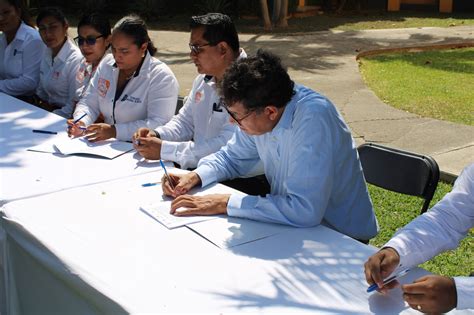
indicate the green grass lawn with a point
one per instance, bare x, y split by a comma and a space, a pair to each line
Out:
432, 84
395, 210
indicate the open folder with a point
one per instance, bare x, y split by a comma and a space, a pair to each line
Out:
110, 148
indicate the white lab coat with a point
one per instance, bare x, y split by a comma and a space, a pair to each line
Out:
20, 61
148, 100
200, 128
57, 84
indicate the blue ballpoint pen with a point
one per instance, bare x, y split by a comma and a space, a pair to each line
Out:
77, 120
166, 174
374, 286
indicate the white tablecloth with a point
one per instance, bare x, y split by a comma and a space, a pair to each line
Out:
95, 239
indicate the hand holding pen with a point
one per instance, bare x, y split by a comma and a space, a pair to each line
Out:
76, 128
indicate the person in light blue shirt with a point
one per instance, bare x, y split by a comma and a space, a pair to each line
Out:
307, 150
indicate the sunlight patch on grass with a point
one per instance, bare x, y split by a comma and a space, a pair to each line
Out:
431, 83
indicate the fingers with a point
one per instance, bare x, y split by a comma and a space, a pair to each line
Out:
381, 265
418, 287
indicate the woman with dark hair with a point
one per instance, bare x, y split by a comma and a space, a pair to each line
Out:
59, 65
131, 91
20, 46
93, 40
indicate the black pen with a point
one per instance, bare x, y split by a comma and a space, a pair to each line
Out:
45, 131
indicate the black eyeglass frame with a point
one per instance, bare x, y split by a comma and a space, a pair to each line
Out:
232, 115
89, 40
196, 49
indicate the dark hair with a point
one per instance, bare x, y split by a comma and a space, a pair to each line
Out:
55, 12
257, 81
98, 21
25, 14
218, 28
135, 27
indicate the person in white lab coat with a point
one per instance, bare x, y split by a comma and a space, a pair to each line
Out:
437, 230
57, 86
93, 39
202, 126
131, 91
20, 46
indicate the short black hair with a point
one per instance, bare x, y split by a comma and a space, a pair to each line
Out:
257, 81
55, 12
218, 28
135, 27
96, 20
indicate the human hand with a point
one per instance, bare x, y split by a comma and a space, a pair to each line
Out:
181, 183
149, 148
431, 294
99, 132
73, 129
379, 266
200, 205
143, 133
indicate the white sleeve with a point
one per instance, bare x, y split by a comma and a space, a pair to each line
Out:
181, 126
465, 292
188, 153
441, 228
72, 66
89, 102
162, 98
28, 81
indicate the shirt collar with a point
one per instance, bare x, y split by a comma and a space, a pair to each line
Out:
22, 32
288, 112
64, 52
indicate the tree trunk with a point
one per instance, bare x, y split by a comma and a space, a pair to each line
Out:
267, 24
282, 14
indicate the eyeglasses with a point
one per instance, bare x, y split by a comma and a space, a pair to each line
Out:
238, 120
196, 49
90, 40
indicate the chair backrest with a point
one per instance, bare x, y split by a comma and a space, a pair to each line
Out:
400, 171
179, 104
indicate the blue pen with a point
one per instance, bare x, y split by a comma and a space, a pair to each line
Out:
166, 174
77, 120
374, 286
150, 184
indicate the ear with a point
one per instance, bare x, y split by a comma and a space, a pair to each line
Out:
223, 48
108, 40
272, 112
143, 48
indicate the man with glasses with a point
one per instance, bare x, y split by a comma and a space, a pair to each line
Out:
202, 125
307, 150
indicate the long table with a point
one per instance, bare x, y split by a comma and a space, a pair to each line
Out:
77, 242
25, 173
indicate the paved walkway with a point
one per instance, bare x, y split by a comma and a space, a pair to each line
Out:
325, 61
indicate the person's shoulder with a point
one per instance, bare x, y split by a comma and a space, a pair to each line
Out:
28, 33
309, 100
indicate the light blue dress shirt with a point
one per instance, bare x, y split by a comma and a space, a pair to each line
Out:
312, 165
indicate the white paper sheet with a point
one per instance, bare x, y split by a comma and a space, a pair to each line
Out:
161, 212
229, 232
110, 148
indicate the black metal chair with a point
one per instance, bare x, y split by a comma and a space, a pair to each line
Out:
179, 104
400, 171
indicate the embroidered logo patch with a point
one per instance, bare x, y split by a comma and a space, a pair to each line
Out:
199, 96
103, 86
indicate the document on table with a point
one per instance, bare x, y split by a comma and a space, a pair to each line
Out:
110, 148
229, 232
160, 209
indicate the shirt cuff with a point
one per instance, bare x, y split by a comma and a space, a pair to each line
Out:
234, 205
168, 150
206, 174
121, 132
465, 292
407, 259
